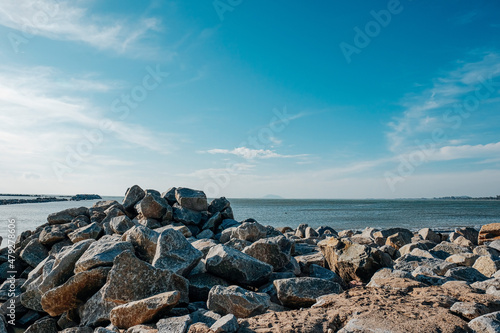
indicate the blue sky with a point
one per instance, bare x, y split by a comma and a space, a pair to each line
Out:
336, 99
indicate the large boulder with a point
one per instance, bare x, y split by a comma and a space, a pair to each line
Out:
34, 253
487, 265
250, 231
101, 253
65, 216
430, 235
133, 195
191, 199
303, 291
489, 233
445, 249
353, 261
201, 284
44, 325
175, 253
91, 231
52, 234
144, 241
240, 302
154, 207
274, 251
186, 216
121, 224
233, 265
144, 310
468, 233
488, 323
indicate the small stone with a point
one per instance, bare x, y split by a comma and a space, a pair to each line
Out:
469, 310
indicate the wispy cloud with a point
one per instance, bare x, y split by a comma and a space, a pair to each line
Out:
250, 154
64, 20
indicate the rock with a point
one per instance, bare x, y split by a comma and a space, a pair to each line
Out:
467, 274
233, 265
128, 285
305, 261
388, 278
464, 259
303, 291
101, 253
205, 316
154, 207
144, 241
34, 253
144, 310
462, 241
149, 223
228, 223
44, 325
201, 284
191, 199
55, 233
409, 263
84, 329
469, 310
199, 328
176, 226
205, 234
325, 274
386, 233
175, 253
487, 265
489, 233
169, 195
489, 323
174, 324
250, 231
484, 250
74, 292
218, 205
91, 231
398, 240
270, 251
237, 301
468, 233
133, 195
428, 234
65, 216
495, 245
311, 233
421, 253
142, 329
445, 249
226, 324
301, 230
121, 224
213, 222
352, 261
204, 245
186, 216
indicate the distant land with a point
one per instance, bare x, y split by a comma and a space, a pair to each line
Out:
272, 196
464, 197
43, 198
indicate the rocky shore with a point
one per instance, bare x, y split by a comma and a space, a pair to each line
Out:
172, 262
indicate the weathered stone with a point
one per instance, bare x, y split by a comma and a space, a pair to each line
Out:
303, 291
133, 195
191, 199
44, 325
34, 253
176, 226
74, 292
11, 288
213, 222
65, 216
201, 284
205, 234
388, 278
467, 274
301, 230
352, 261
228, 223
186, 216
445, 249
154, 207
204, 245
218, 205
101, 253
487, 265
462, 241
238, 301
205, 316
233, 265
398, 240
144, 241
174, 324
464, 259
469, 310
270, 251
468, 233
386, 233
421, 253
92, 231
250, 231
326, 274
55, 233
83, 329
144, 310
226, 324
489, 233
409, 263
483, 250
149, 223
488, 323
306, 260
175, 253
311, 233
428, 234
121, 224
199, 328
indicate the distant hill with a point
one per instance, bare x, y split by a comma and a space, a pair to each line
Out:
272, 196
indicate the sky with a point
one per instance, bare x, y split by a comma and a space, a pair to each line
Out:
330, 99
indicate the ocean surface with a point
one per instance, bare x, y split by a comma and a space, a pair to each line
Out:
338, 214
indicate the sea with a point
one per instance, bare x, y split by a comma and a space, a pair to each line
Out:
440, 215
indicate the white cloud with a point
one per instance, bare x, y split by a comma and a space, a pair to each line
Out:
64, 20
250, 154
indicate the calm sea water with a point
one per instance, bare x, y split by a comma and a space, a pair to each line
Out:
339, 214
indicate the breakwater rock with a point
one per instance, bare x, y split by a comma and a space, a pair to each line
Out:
173, 262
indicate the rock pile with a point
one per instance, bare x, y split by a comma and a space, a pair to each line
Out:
172, 262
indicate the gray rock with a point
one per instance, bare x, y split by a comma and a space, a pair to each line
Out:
186, 216
467, 274
205, 316
201, 284
101, 253
469, 310
468, 233
133, 195
83, 329
233, 265
175, 253
228, 223
44, 325
213, 222
218, 205
303, 291
311, 233
226, 324
484, 250
445, 249
34, 253
227, 214
204, 245
250, 231
144, 241
489, 323
428, 234
205, 234
325, 230
169, 195
325, 274
410, 262
270, 251
301, 230
174, 324
238, 244
65, 216
238, 301
487, 265
191, 199
121, 224
55, 233
91, 231
154, 207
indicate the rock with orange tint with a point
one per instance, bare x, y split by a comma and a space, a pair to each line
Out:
489, 233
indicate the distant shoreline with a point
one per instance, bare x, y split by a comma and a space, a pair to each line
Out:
43, 199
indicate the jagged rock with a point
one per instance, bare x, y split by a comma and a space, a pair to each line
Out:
191, 199
489, 233
484, 250
121, 224
204, 245
250, 231
228, 223
489, 323
74, 292
205, 234
487, 265
421, 253
226, 324
464, 259
84, 329
34, 253
201, 284
468, 233
101, 253
218, 205
353, 261
445, 249
55, 233
186, 216
176, 226
199, 328
144, 310
303, 291
213, 222
238, 244
205, 316
386, 233
305, 261
65, 216
428, 234
154, 207
174, 324
112, 212
175, 253
273, 251
469, 310
144, 241
233, 265
149, 223
398, 240
44, 325
91, 231
169, 195
238, 301
388, 278
409, 263
326, 274
311, 233
467, 274
462, 241
301, 230
133, 195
